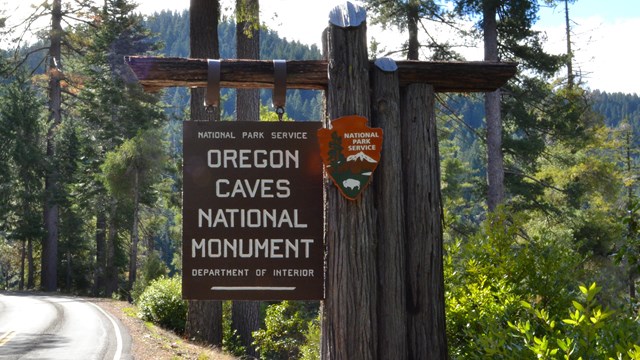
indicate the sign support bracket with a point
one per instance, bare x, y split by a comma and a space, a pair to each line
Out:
212, 98
279, 86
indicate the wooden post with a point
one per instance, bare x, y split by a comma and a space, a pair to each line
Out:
349, 312
204, 317
392, 316
245, 315
423, 209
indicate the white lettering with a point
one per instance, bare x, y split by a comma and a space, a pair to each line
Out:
246, 159
246, 188
251, 248
253, 218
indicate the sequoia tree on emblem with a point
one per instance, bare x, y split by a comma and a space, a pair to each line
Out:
350, 151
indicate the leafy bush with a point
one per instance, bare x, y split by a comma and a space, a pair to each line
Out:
286, 324
590, 332
161, 303
152, 268
311, 349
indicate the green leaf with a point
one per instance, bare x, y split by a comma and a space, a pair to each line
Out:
525, 304
562, 344
584, 289
577, 305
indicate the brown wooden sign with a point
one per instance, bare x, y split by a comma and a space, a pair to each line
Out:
350, 151
252, 212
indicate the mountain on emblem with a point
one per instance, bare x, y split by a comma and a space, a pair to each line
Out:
361, 157
350, 151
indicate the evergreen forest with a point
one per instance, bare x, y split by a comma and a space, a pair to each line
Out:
550, 272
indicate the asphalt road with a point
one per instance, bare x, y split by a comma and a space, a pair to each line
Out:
57, 327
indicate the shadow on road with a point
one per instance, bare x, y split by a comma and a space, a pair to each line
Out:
25, 343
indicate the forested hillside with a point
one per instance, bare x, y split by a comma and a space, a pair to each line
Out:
91, 183
172, 30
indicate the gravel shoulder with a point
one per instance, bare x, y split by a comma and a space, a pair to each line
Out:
152, 342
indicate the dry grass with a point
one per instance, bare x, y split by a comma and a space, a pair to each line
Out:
152, 342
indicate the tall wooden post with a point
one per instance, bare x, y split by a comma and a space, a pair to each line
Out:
423, 209
392, 299
349, 318
204, 317
245, 315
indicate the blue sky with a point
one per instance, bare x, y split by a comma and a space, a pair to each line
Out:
604, 33
611, 10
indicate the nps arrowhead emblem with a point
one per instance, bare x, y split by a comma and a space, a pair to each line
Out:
350, 151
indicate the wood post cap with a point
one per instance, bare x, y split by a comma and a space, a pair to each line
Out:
348, 14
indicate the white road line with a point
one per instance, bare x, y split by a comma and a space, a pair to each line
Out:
250, 288
118, 353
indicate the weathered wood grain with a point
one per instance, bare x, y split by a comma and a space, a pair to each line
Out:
349, 324
389, 202
155, 73
423, 209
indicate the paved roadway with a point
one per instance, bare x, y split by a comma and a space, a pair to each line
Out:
57, 327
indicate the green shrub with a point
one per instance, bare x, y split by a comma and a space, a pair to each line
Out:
589, 331
161, 303
311, 348
152, 268
285, 326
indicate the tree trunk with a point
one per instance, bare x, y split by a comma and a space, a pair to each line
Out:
111, 277
101, 239
31, 283
413, 16
203, 43
423, 211
133, 255
245, 318
495, 162
570, 77
204, 318
632, 224
392, 317
349, 328
68, 276
49, 271
23, 255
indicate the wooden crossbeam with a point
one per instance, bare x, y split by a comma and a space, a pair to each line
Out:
155, 73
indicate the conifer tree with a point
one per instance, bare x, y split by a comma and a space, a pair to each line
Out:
116, 108
21, 164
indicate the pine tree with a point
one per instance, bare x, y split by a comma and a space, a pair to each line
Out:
49, 268
22, 161
116, 108
508, 36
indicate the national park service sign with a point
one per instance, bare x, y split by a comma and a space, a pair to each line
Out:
350, 151
252, 211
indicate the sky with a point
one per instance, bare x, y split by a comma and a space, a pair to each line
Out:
604, 33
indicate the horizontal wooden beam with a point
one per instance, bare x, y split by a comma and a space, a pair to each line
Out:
155, 73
